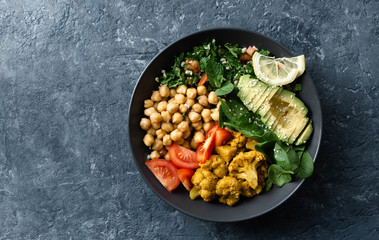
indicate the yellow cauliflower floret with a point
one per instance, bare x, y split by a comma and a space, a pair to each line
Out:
239, 140
228, 189
204, 183
226, 152
244, 166
246, 190
217, 165
250, 144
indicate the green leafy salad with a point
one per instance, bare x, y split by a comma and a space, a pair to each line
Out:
270, 114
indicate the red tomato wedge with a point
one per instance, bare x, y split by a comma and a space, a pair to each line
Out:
185, 176
205, 149
222, 137
203, 79
182, 157
165, 172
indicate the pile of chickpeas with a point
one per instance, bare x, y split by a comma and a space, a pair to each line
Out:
182, 115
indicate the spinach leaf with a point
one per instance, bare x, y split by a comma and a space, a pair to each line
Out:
286, 157
299, 150
278, 175
306, 166
267, 149
281, 157
233, 109
214, 71
226, 89
268, 185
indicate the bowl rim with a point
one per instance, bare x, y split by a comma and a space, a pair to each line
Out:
193, 34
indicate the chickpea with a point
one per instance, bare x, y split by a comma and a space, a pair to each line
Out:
186, 144
194, 144
151, 131
197, 108
148, 140
156, 96
190, 102
194, 116
201, 90
154, 155
182, 89
148, 103
164, 91
203, 100
156, 126
208, 125
167, 127
162, 106
206, 114
177, 118
191, 93
167, 157
197, 125
172, 108
214, 116
149, 111
171, 100
183, 108
158, 144
156, 117
218, 104
176, 135
165, 116
180, 98
167, 140
186, 134
155, 105
180, 141
183, 126
198, 137
212, 98
162, 152
160, 133
172, 92
145, 123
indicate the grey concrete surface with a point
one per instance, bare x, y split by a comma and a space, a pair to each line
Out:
67, 71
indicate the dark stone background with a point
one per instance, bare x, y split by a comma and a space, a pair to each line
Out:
67, 71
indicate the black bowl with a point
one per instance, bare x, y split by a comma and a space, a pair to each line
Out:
179, 199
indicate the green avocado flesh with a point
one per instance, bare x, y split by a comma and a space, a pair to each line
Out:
304, 136
280, 110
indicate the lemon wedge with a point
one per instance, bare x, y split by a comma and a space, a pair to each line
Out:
278, 71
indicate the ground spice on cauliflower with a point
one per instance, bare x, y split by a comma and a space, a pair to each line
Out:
237, 170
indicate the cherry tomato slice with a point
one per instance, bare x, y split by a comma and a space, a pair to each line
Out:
165, 172
185, 176
205, 149
182, 157
222, 137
